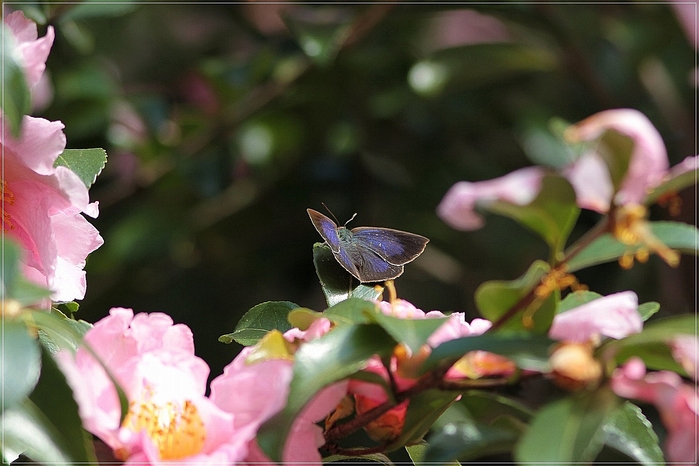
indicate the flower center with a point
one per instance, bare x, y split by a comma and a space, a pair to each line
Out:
7, 198
176, 430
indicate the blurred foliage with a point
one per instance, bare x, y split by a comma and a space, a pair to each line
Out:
224, 122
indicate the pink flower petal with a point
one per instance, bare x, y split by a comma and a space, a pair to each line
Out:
458, 208
590, 178
648, 162
30, 51
676, 401
614, 316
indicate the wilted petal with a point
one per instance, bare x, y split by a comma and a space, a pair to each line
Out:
614, 316
458, 208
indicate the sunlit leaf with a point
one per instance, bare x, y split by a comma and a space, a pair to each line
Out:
86, 163
270, 315
412, 332
628, 430
352, 311
527, 351
606, 248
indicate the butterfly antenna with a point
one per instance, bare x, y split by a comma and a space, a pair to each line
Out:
351, 218
331, 213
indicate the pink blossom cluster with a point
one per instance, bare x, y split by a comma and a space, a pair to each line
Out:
42, 205
589, 175
170, 418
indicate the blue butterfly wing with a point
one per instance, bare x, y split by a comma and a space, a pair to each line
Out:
327, 229
394, 246
365, 264
370, 254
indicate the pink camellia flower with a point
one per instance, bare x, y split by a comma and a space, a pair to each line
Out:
42, 205
614, 316
253, 390
676, 401
169, 417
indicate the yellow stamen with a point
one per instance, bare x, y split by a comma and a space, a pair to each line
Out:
557, 279
632, 229
7, 198
177, 430
672, 201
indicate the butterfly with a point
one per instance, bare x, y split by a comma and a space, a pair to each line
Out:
370, 254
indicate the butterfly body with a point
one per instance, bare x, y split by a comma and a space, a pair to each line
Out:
370, 254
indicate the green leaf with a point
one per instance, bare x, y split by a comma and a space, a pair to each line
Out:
56, 331
486, 407
527, 351
575, 299
337, 284
629, 431
417, 454
412, 332
673, 185
15, 97
551, 214
86, 163
423, 410
606, 248
302, 317
648, 309
21, 362
567, 430
46, 426
494, 298
352, 311
318, 363
467, 441
270, 315
616, 149
651, 345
